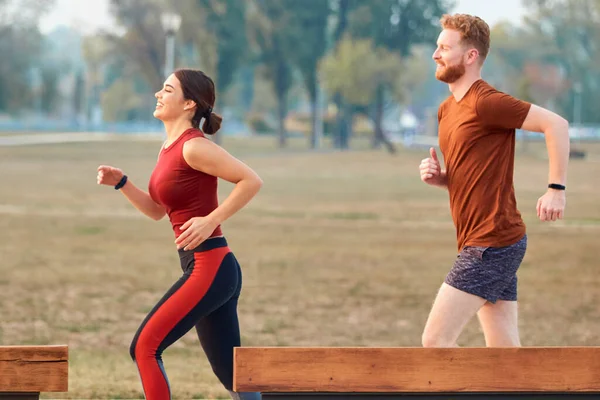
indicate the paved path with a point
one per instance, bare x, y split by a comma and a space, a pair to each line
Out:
50, 138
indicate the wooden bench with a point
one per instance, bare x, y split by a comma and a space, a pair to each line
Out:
25, 371
295, 373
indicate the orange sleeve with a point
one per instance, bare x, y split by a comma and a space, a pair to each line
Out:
500, 110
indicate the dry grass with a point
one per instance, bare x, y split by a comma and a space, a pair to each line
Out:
339, 249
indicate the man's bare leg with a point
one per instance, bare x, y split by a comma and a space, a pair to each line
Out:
451, 311
500, 324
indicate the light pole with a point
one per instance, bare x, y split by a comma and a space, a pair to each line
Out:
171, 23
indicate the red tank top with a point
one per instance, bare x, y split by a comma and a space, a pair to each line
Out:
183, 191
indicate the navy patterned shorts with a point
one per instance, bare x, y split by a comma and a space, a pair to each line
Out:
488, 272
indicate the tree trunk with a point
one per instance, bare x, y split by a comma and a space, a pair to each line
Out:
346, 126
339, 119
281, 113
315, 134
379, 135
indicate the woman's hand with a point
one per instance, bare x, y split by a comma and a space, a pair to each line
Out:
109, 175
195, 231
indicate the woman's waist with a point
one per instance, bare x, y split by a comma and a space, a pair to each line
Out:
213, 242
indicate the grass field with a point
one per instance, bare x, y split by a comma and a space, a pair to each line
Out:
338, 249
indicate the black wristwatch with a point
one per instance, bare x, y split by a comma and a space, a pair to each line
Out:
121, 183
556, 186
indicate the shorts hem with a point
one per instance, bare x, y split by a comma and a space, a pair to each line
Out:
473, 292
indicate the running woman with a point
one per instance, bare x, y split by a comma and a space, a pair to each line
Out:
183, 186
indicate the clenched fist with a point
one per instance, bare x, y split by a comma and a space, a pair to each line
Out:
109, 175
431, 171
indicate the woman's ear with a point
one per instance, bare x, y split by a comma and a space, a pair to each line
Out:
189, 105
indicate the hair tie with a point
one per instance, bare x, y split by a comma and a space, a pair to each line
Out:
208, 112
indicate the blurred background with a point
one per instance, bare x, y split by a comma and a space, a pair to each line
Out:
334, 104
326, 70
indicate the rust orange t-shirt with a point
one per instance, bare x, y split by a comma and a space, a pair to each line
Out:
477, 140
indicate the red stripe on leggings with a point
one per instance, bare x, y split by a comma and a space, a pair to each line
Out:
164, 320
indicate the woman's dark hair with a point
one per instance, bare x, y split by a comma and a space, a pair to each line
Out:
200, 88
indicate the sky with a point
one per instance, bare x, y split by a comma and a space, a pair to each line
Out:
90, 15
86, 16
492, 11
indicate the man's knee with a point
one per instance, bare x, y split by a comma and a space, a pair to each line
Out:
502, 338
430, 339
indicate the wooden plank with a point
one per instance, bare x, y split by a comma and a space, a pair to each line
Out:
417, 370
445, 396
34, 369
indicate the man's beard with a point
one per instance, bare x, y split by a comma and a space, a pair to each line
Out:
450, 74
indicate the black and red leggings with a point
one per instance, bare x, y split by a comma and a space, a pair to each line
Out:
205, 297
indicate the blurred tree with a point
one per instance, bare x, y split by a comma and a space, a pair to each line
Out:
415, 71
396, 26
143, 42
212, 29
355, 69
50, 95
225, 26
121, 102
557, 52
574, 28
226, 21
273, 44
97, 54
343, 127
20, 46
79, 95
308, 27
139, 52
197, 32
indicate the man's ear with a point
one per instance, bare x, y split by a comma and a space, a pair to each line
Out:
472, 56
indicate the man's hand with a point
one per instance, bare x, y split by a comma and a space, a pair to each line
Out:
551, 206
431, 171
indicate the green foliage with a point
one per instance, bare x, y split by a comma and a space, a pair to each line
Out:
225, 20
20, 45
555, 50
356, 68
273, 45
120, 101
143, 43
308, 30
398, 25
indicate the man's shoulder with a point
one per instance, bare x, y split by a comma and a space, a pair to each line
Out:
484, 89
498, 108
